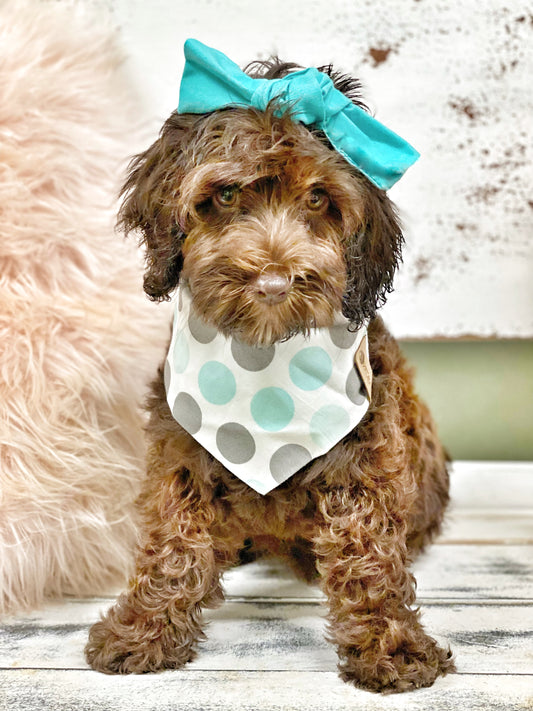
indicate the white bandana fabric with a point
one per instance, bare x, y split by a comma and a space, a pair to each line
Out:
265, 412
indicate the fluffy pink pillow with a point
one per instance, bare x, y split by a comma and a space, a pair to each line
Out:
78, 339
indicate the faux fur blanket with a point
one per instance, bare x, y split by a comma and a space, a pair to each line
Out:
78, 339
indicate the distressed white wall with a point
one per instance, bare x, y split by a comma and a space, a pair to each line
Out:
454, 77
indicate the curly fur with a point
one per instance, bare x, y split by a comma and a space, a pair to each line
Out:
74, 361
221, 200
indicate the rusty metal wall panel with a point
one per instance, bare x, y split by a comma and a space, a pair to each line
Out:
454, 78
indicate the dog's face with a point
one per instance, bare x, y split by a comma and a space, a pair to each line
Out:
273, 231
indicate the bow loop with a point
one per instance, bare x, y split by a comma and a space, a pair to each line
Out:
212, 81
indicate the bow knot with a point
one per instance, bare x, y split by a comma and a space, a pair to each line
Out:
301, 93
264, 93
212, 81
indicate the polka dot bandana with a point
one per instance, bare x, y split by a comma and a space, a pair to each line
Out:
265, 412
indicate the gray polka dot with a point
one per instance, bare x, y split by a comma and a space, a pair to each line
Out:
355, 388
252, 357
235, 443
167, 375
201, 331
288, 459
187, 412
341, 337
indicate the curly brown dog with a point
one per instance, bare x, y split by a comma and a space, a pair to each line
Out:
273, 233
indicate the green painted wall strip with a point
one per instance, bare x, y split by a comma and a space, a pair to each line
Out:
480, 393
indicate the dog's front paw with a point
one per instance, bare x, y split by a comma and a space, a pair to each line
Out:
402, 659
116, 649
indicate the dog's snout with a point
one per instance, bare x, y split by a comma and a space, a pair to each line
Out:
271, 287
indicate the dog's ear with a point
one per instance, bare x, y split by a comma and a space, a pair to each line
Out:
150, 205
372, 256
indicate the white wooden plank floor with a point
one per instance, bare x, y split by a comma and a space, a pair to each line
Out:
265, 646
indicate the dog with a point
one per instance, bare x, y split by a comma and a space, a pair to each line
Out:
277, 239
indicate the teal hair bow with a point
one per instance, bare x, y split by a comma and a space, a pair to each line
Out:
212, 81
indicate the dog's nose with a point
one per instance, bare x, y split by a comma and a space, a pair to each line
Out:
271, 287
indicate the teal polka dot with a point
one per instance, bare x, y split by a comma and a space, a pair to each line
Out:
272, 409
328, 425
181, 353
310, 368
217, 383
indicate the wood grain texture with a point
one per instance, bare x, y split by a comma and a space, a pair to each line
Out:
265, 646
459, 571
281, 636
249, 691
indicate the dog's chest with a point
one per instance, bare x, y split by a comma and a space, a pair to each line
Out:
264, 413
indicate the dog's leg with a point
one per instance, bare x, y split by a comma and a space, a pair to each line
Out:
156, 624
362, 560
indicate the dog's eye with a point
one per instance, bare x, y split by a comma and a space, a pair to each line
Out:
317, 200
227, 196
